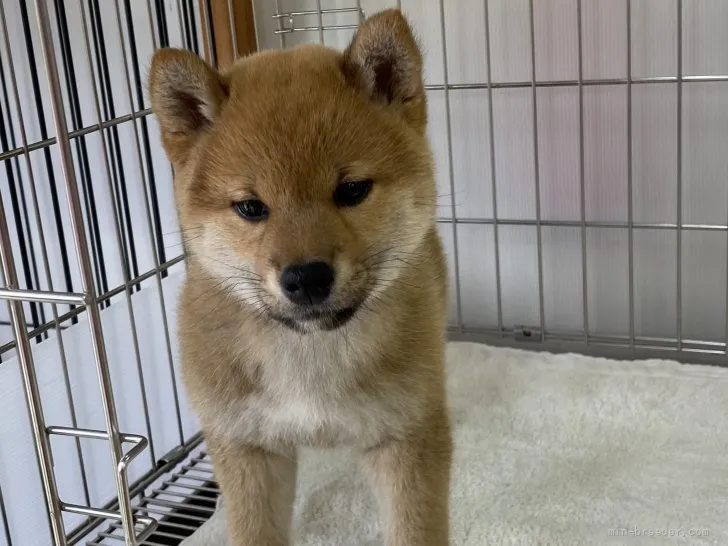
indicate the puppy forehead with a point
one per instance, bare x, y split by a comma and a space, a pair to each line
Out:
281, 92
293, 109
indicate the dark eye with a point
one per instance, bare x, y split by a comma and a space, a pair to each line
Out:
350, 194
253, 210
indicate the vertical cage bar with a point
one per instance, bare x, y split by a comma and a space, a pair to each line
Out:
30, 385
19, 205
60, 238
182, 33
205, 14
43, 249
320, 15
3, 511
582, 182
679, 323
233, 29
88, 192
448, 128
86, 266
279, 23
121, 247
494, 192
150, 228
536, 172
630, 190
152, 29
255, 25
139, 75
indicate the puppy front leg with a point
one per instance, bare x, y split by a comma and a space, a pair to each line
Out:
258, 489
412, 482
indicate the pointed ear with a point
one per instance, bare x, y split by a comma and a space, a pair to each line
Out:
385, 63
187, 96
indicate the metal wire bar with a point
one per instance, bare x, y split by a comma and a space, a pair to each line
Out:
280, 31
317, 11
618, 347
48, 142
177, 505
115, 525
584, 83
182, 495
451, 174
170, 460
36, 91
320, 16
179, 7
590, 224
582, 182
630, 189
30, 384
643, 342
140, 77
4, 519
164, 489
233, 29
120, 243
43, 250
150, 17
679, 159
150, 524
494, 187
150, 228
146, 542
536, 171
87, 281
103, 298
194, 477
83, 167
76, 432
18, 294
17, 197
190, 517
315, 29
201, 489
212, 57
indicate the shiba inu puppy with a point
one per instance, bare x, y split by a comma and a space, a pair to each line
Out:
314, 308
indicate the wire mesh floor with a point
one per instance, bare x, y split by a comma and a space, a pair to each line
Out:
181, 502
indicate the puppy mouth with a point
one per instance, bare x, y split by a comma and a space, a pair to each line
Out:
317, 319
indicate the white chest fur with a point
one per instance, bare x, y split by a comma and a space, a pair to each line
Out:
313, 395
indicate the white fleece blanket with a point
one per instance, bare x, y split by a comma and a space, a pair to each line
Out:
552, 450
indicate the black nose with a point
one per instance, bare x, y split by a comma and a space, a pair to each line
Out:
307, 284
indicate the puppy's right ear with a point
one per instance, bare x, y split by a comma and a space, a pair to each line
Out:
187, 96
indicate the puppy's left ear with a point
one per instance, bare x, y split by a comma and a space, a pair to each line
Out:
384, 62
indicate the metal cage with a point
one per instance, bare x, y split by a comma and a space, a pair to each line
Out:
580, 149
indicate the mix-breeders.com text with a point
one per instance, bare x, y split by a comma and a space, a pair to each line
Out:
658, 532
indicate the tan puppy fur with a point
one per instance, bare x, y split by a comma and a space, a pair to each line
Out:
287, 128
